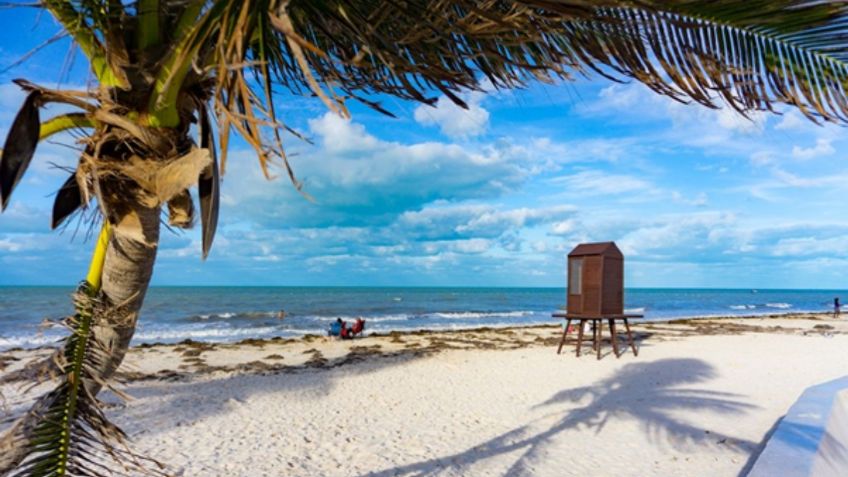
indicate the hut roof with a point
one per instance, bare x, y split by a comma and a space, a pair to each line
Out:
601, 248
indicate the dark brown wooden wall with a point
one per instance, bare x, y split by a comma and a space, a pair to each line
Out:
592, 281
613, 287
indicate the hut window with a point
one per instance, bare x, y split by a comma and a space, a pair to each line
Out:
575, 276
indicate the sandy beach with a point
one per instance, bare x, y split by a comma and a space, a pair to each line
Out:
699, 399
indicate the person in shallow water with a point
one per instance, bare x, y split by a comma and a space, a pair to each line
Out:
836, 306
339, 328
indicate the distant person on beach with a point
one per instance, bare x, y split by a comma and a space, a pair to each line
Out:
339, 328
836, 306
336, 328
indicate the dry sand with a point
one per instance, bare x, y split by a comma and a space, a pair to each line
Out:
698, 400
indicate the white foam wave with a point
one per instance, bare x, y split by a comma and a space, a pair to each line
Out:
742, 307
217, 315
212, 334
781, 306
641, 309
441, 327
231, 314
460, 315
28, 341
367, 318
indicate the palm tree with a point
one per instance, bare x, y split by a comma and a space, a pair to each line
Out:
163, 65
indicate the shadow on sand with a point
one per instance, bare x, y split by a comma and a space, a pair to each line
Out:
622, 396
192, 402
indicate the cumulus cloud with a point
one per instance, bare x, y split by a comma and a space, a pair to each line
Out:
792, 121
454, 121
810, 246
356, 177
627, 98
822, 148
564, 227
481, 221
340, 135
733, 121
450, 211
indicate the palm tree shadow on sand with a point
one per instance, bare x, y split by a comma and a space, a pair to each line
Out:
619, 397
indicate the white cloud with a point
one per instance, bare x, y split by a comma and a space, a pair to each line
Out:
788, 179
356, 177
700, 200
564, 227
600, 183
475, 245
9, 245
340, 135
675, 235
823, 147
792, 121
453, 120
807, 246
624, 100
387, 178
762, 158
618, 96
481, 221
733, 121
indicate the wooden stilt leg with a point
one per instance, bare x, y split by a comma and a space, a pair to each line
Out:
580, 337
630, 338
598, 339
564, 335
594, 336
614, 338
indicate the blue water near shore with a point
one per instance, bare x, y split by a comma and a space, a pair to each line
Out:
173, 314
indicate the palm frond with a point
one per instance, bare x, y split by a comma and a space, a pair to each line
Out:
19, 147
208, 184
68, 200
748, 54
73, 435
751, 55
83, 22
147, 32
23, 138
63, 122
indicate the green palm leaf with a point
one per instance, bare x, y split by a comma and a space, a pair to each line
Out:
73, 435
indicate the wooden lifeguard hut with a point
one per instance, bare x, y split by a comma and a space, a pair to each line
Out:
595, 280
595, 294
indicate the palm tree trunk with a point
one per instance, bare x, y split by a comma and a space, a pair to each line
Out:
126, 275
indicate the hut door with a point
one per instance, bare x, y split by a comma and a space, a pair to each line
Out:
575, 276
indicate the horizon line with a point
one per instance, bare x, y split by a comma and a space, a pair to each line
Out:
752, 289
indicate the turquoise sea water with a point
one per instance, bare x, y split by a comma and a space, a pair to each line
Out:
173, 314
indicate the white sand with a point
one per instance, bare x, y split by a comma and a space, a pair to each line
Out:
694, 402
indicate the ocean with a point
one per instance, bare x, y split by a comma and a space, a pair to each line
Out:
28, 315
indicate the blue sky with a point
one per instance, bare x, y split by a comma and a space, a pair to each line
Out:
493, 196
